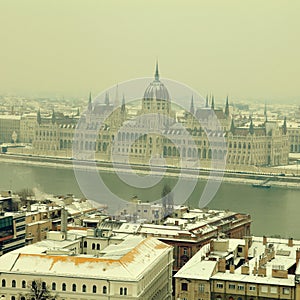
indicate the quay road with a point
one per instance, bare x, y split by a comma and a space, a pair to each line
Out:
278, 177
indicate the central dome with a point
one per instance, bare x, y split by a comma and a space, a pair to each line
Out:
156, 89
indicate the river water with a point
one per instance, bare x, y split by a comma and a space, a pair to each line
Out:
274, 211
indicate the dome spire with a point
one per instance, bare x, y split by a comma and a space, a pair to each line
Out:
156, 72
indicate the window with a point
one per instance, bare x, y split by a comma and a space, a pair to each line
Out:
13, 298
121, 291
201, 288
93, 246
252, 288
85, 244
44, 285
94, 289
98, 246
13, 283
286, 291
264, 289
63, 287
53, 286
184, 286
73, 287
23, 284
3, 283
185, 251
273, 289
219, 285
84, 288
125, 291
241, 287
231, 286
104, 290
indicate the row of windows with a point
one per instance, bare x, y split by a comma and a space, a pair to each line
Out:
123, 290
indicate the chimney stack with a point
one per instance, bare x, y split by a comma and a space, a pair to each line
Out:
64, 221
264, 240
297, 256
232, 269
290, 242
222, 265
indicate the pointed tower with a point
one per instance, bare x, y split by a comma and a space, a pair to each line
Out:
227, 107
206, 104
38, 117
156, 76
251, 127
123, 107
192, 108
265, 113
106, 98
213, 102
53, 117
116, 103
232, 127
284, 126
90, 104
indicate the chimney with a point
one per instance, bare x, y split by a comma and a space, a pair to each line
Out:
212, 245
290, 242
264, 240
64, 221
232, 269
222, 265
262, 271
246, 249
176, 223
245, 269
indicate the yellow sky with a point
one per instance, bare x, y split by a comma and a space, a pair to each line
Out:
68, 47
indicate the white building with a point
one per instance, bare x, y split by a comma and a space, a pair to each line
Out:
121, 266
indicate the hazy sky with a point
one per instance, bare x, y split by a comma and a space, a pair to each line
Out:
247, 49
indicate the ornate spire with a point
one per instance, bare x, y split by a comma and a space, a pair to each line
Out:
284, 126
53, 118
227, 107
90, 105
265, 113
123, 108
192, 108
156, 76
107, 98
206, 104
251, 127
213, 102
116, 103
38, 117
232, 126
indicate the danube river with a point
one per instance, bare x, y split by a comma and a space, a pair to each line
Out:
274, 211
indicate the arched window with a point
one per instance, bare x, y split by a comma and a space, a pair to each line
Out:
53, 286
84, 288
94, 289
125, 291
93, 246
63, 287
73, 287
23, 284
98, 246
13, 298
85, 244
121, 291
44, 286
104, 290
3, 283
23, 298
13, 283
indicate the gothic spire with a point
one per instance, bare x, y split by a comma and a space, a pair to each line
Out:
53, 118
192, 108
156, 72
107, 98
116, 103
232, 126
265, 113
90, 105
227, 107
251, 127
213, 102
284, 126
123, 104
38, 117
206, 104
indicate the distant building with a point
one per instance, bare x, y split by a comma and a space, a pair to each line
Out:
9, 128
250, 268
12, 231
111, 133
114, 267
294, 135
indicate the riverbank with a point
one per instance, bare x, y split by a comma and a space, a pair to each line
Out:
237, 177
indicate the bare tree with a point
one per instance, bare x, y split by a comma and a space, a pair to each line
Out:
39, 291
